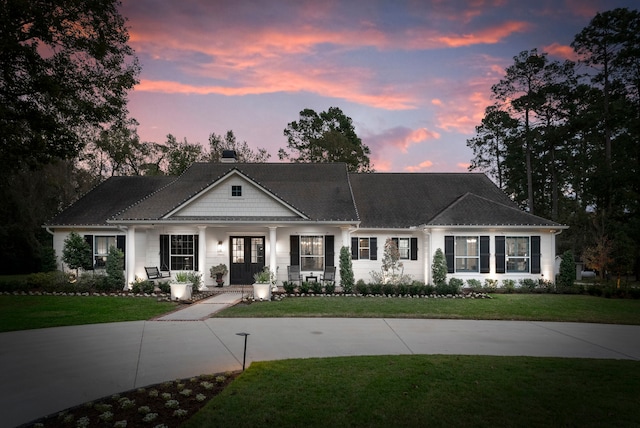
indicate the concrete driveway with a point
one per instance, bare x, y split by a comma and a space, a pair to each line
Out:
48, 370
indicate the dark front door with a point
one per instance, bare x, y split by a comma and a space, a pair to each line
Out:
247, 258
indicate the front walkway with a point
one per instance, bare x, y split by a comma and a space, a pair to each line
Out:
48, 370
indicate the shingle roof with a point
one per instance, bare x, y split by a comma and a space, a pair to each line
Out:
475, 210
320, 191
108, 198
401, 200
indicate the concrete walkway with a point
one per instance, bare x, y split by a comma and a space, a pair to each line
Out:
204, 308
48, 370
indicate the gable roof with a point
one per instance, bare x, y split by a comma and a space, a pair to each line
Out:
109, 197
320, 191
402, 200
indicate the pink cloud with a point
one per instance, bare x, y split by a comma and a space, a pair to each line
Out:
562, 51
422, 166
399, 137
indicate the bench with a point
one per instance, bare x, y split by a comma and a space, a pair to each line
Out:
154, 273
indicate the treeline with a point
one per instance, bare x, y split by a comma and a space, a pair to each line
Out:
563, 140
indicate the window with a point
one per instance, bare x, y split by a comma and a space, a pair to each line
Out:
182, 252
403, 248
101, 247
311, 253
363, 248
517, 254
467, 254
236, 191
407, 247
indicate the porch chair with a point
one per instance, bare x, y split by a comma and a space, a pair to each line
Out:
329, 274
293, 274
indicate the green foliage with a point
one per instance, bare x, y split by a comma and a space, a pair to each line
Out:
265, 276
76, 252
244, 153
439, 268
142, 287
316, 287
509, 285
48, 262
289, 287
475, 285
181, 155
362, 287
330, 287
326, 137
304, 287
567, 274
114, 268
66, 72
346, 270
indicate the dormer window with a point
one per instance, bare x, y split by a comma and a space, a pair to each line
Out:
236, 191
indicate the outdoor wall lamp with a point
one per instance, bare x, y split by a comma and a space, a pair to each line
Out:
219, 247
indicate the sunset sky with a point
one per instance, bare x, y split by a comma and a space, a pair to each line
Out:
414, 76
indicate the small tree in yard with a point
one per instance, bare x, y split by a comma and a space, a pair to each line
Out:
346, 270
114, 268
392, 267
567, 273
77, 252
439, 268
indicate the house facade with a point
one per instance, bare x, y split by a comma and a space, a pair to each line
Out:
249, 216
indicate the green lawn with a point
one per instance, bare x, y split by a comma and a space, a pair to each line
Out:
429, 391
28, 312
539, 307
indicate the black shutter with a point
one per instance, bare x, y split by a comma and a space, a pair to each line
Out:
196, 251
121, 245
89, 240
535, 254
484, 255
354, 248
373, 248
500, 254
449, 255
414, 249
294, 250
329, 251
164, 252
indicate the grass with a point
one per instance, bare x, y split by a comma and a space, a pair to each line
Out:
29, 312
538, 307
434, 391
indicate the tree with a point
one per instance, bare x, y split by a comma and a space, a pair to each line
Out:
325, 137
115, 269
181, 155
76, 252
66, 67
598, 256
439, 268
244, 153
346, 270
567, 275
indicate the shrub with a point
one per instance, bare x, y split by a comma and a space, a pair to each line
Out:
145, 287
389, 289
304, 287
330, 287
528, 284
316, 287
429, 289
475, 285
346, 270
403, 289
567, 275
455, 284
164, 287
361, 287
439, 268
490, 285
289, 287
114, 268
375, 289
509, 285
416, 288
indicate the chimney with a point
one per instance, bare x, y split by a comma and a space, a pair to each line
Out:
229, 156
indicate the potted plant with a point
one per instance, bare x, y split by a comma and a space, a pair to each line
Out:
218, 272
262, 284
181, 286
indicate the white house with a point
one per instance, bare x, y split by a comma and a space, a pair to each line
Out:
248, 216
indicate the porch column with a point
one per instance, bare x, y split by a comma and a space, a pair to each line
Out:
426, 239
202, 254
346, 237
130, 269
273, 261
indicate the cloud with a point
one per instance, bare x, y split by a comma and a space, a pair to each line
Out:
561, 51
422, 166
399, 137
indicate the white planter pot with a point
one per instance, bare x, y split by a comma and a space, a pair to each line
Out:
262, 291
180, 290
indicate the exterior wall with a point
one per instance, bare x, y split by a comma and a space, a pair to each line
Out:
219, 202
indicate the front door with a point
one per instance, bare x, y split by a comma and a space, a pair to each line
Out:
247, 258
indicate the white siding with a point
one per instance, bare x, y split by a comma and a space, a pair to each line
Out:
218, 201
